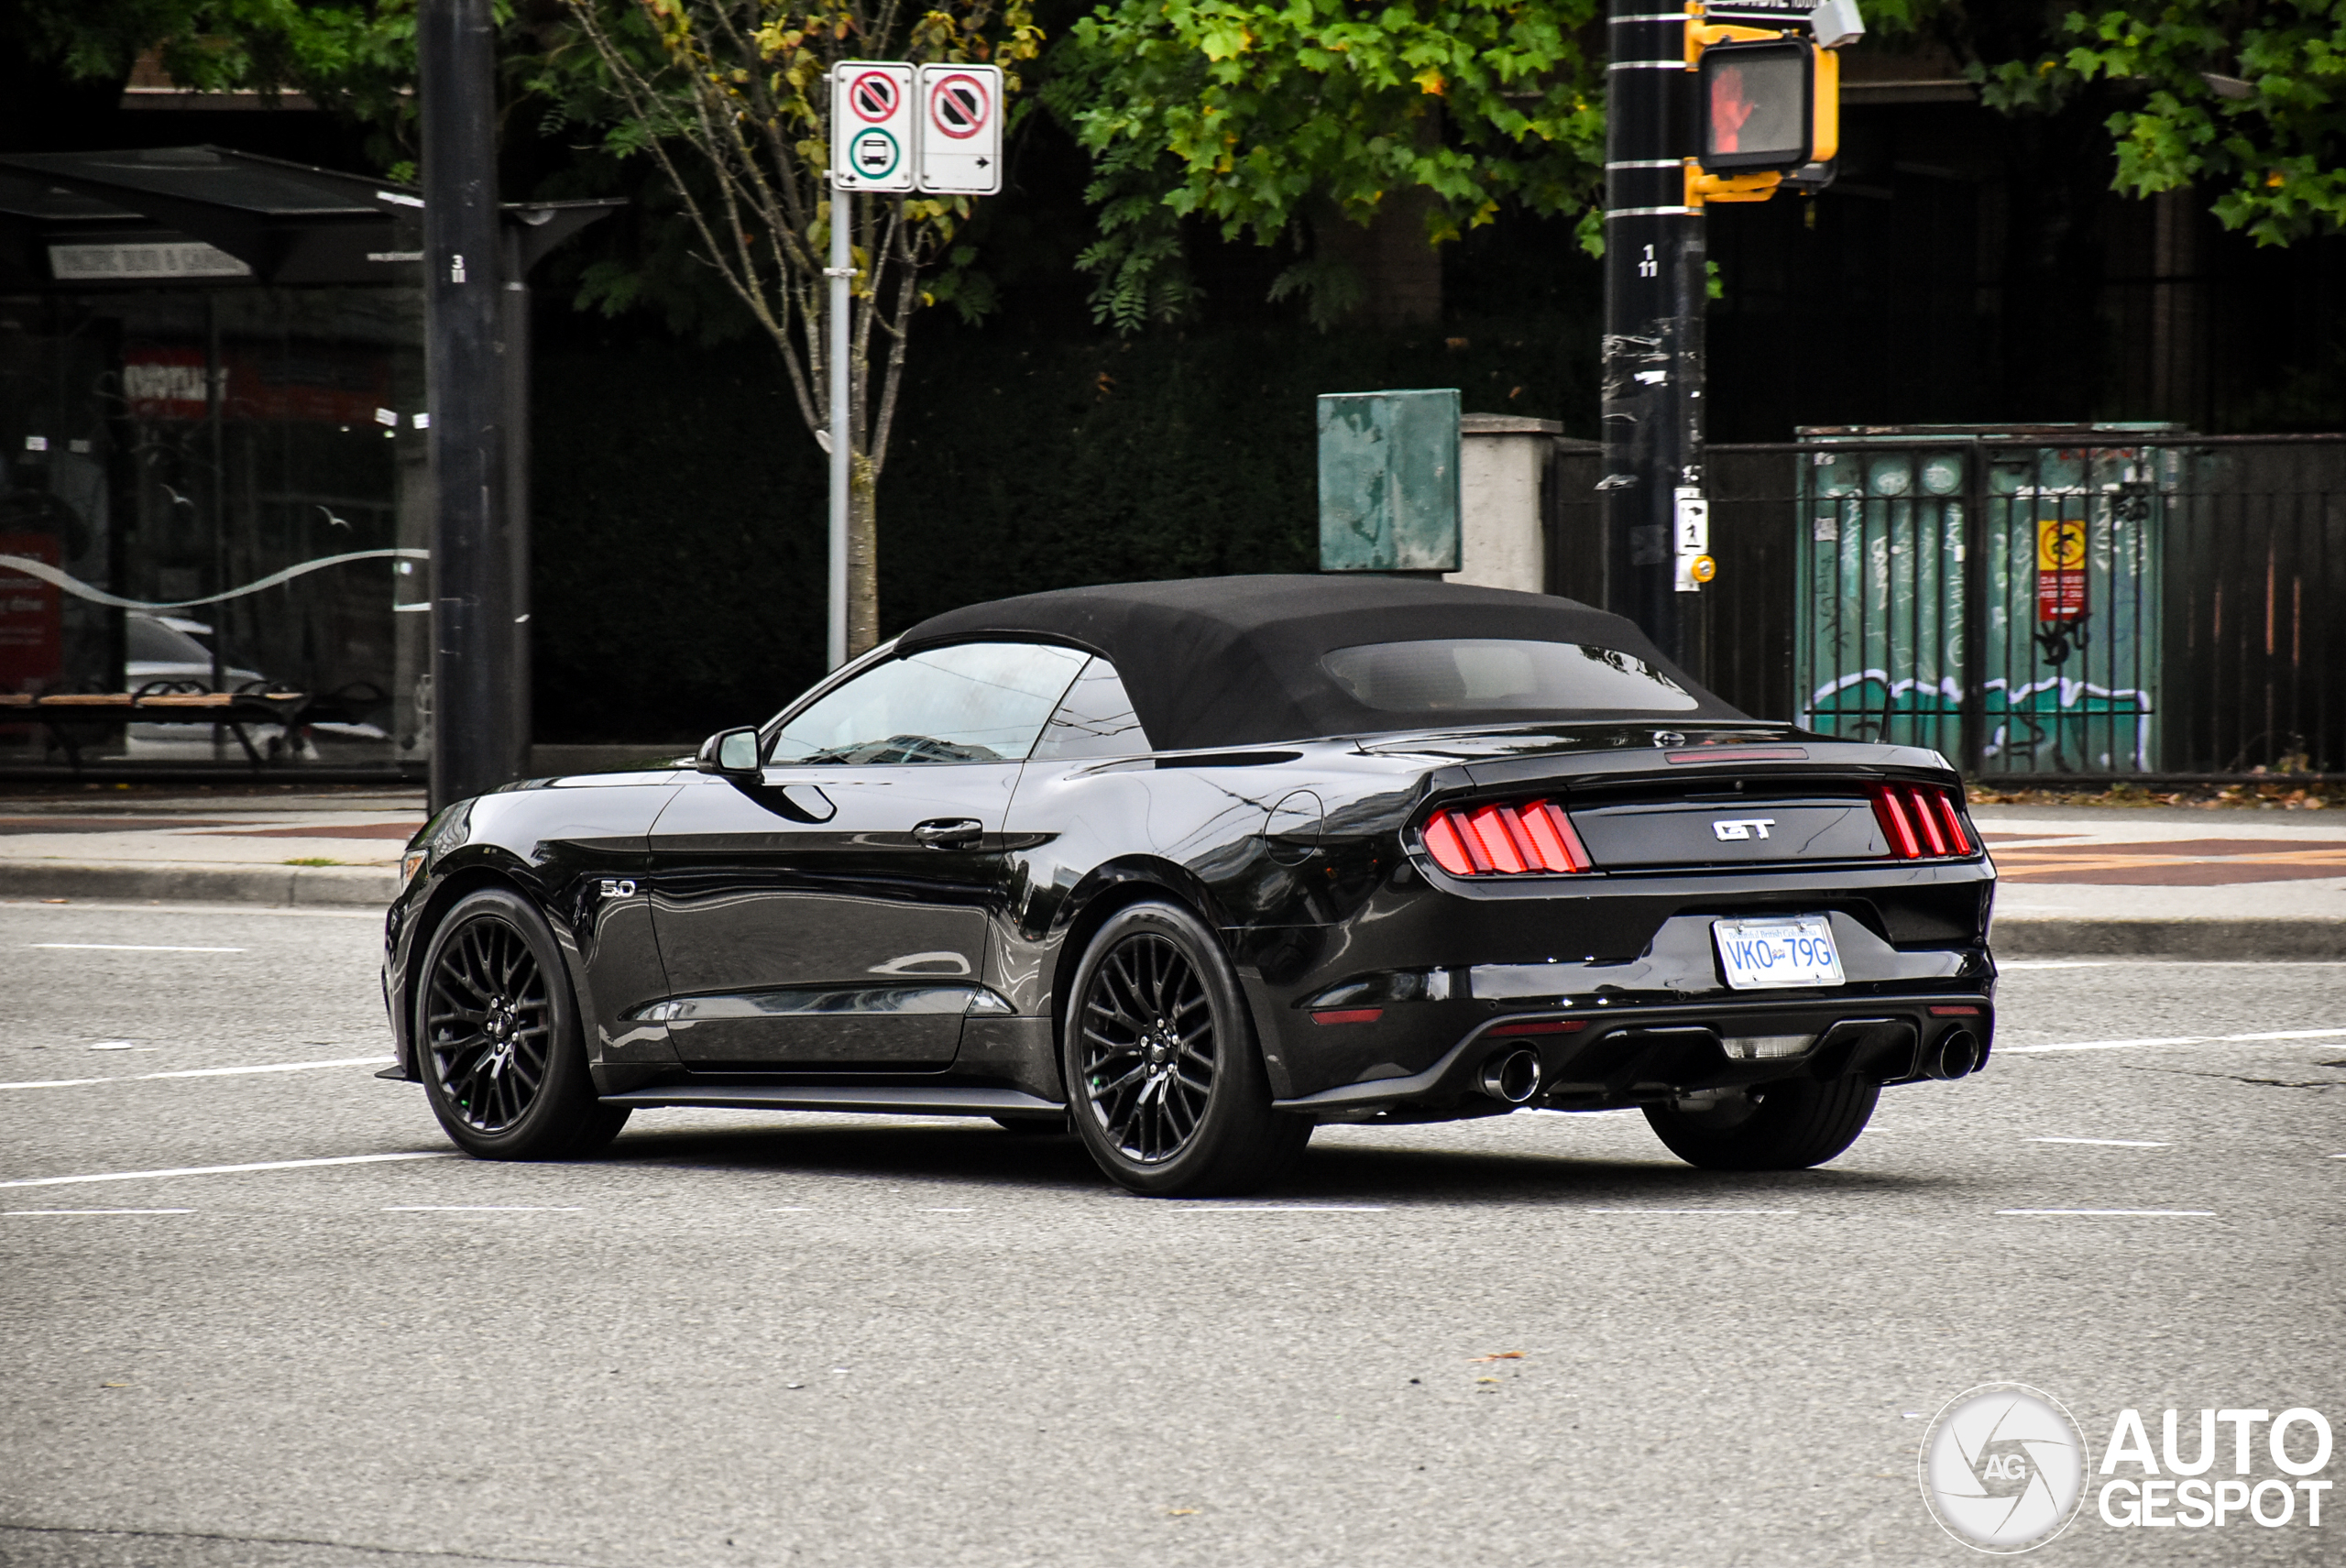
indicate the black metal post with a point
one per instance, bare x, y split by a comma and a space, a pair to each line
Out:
1655, 284
514, 304
474, 744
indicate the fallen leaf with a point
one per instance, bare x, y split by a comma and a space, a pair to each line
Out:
1501, 1355
1179, 1513
1486, 1379
114, 1385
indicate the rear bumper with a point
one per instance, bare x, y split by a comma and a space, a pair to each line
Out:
1601, 1058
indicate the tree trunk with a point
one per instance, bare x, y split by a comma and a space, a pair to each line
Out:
862, 558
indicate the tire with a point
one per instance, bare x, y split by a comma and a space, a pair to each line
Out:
497, 1038
1788, 1125
1164, 1080
1034, 1126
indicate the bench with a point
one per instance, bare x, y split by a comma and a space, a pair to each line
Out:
181, 702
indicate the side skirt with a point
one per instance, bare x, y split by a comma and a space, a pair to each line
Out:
909, 1100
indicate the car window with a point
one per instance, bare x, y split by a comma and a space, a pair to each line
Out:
1488, 673
1094, 719
974, 702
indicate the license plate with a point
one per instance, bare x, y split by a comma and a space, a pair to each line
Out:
1765, 955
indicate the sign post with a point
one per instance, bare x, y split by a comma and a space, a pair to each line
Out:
894, 129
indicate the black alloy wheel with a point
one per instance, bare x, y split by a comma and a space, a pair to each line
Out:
498, 1037
1787, 1126
1167, 1085
1148, 1047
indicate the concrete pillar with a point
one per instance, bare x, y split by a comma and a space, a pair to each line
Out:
1502, 460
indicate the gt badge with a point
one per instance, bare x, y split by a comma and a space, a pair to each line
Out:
1730, 828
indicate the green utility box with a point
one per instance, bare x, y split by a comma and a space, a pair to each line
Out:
1992, 593
1389, 481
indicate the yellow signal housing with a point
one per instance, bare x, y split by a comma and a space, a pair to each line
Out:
1825, 109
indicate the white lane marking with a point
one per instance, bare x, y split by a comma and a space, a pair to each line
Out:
203, 1072
1212, 1207
270, 1067
116, 1045
2105, 1143
15, 1213
2179, 1040
484, 1209
231, 1169
210, 911
128, 948
1771, 1211
2123, 1213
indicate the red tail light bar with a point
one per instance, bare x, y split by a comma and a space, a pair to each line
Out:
1922, 822
1506, 838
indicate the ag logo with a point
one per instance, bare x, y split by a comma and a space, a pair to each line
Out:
2003, 1468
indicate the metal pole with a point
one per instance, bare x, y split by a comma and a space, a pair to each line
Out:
514, 330
841, 270
1655, 284
475, 745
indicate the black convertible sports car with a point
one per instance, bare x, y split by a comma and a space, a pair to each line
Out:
1194, 866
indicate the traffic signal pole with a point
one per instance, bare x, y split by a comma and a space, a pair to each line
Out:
1731, 101
1655, 283
476, 742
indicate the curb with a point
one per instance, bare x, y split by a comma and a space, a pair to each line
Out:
2303, 936
288, 886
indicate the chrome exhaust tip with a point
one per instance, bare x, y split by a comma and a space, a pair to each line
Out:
1954, 1055
1512, 1076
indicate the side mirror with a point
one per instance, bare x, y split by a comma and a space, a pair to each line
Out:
732, 752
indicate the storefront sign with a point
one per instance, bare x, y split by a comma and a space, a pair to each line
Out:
128, 261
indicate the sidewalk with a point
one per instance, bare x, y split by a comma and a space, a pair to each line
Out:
2167, 881
221, 844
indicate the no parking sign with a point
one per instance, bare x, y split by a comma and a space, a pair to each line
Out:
936, 128
874, 126
961, 129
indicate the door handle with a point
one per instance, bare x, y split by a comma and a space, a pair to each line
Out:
949, 832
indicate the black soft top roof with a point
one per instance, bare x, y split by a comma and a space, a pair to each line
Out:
1214, 661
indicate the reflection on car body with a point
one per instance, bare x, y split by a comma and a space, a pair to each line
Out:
1192, 867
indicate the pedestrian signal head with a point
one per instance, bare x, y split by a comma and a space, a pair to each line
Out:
1758, 103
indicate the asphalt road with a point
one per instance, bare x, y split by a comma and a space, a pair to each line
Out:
775, 1339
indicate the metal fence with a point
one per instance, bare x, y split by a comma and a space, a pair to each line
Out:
2090, 603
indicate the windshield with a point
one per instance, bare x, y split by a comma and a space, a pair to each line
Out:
1487, 674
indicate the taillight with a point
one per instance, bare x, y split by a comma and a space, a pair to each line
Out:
1505, 839
1922, 822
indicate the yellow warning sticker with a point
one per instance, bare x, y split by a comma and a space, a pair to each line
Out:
2060, 545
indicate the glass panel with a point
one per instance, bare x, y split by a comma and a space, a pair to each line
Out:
216, 489
1505, 676
1096, 720
976, 702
